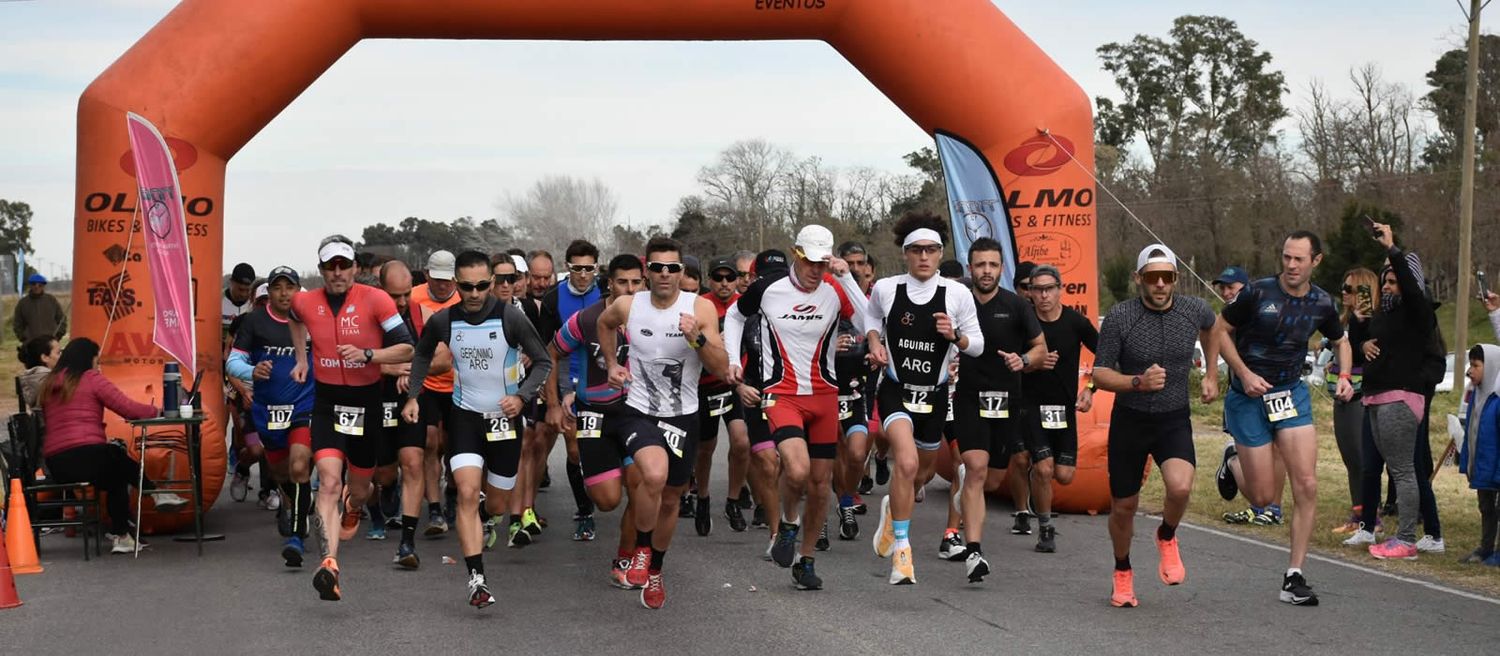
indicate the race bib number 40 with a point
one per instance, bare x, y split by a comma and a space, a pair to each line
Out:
349, 420
994, 405
1054, 417
1280, 406
279, 417
498, 427
917, 399
674, 437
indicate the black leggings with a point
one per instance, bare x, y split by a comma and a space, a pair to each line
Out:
111, 470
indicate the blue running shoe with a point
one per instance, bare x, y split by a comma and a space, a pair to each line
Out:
291, 551
376, 532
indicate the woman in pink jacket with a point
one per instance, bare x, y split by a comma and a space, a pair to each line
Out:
73, 398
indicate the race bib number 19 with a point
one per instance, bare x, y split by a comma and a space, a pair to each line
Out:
1280, 406
498, 427
590, 425
279, 417
349, 420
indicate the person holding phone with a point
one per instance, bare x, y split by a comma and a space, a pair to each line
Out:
1357, 304
1491, 304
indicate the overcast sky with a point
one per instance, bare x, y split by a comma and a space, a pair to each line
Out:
441, 129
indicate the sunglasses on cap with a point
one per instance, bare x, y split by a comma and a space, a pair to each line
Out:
481, 286
669, 267
583, 268
729, 276
507, 278
336, 264
1159, 277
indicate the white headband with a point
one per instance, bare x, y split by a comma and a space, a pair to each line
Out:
922, 234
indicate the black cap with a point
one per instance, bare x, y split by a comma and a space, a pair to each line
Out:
951, 269
1023, 272
721, 263
243, 273
848, 247
691, 266
770, 262
284, 272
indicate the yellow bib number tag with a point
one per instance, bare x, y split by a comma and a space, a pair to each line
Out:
915, 398
349, 420
499, 428
1280, 406
590, 425
1054, 417
719, 404
279, 417
994, 405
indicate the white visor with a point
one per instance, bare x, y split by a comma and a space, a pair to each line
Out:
335, 249
922, 234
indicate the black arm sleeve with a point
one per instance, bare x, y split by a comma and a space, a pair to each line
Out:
438, 328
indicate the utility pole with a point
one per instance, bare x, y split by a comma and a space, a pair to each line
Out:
1466, 197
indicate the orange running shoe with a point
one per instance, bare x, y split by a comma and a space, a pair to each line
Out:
1171, 570
350, 523
1124, 593
654, 594
326, 580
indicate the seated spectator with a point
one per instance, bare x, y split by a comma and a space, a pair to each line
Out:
1479, 452
73, 398
39, 356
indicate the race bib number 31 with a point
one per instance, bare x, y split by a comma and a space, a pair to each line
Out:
279, 417
498, 427
1054, 417
994, 405
349, 420
1280, 406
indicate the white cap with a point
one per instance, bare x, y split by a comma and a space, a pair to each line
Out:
520, 263
335, 249
1153, 254
815, 242
440, 265
262, 291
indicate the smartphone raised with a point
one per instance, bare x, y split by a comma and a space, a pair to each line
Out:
1370, 225
1366, 300
1484, 288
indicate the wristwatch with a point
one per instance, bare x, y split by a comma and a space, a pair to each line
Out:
957, 335
1135, 382
369, 355
700, 342
1025, 360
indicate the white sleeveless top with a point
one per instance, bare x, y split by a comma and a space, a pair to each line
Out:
664, 368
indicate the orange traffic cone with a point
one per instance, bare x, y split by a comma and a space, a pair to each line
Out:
19, 539
8, 596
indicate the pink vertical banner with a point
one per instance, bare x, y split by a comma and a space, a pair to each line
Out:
161, 215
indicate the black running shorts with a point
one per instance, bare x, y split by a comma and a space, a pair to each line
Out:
1135, 436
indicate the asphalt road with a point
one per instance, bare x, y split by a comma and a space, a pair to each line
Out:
723, 599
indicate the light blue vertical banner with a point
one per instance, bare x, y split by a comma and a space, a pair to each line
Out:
975, 204
20, 271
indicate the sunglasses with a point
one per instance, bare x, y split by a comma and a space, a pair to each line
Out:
1348, 289
1045, 289
1159, 277
507, 278
724, 277
583, 268
924, 249
481, 286
337, 264
746, 274
669, 267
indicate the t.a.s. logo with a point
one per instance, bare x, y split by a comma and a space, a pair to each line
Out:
114, 295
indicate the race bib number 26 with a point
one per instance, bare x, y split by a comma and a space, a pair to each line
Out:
498, 427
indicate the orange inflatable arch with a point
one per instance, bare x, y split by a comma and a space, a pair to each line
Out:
212, 73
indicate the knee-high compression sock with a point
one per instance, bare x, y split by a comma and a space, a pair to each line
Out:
580, 493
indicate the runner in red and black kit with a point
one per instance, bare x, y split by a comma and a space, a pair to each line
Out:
354, 328
592, 406
800, 315
717, 402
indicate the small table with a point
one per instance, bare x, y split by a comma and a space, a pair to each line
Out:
194, 438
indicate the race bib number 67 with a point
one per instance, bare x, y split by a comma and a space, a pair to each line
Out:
349, 420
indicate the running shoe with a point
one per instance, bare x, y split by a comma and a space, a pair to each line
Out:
1267, 516
124, 544
269, 500
393, 522
518, 537
1360, 537
436, 524
758, 518
786, 544
1170, 567
1429, 544
848, 525
804, 576
390, 501
640, 564
1296, 591
406, 556
859, 505
882, 471
885, 536
653, 593
686, 505
1022, 526
168, 501
530, 522
349, 525
1047, 542
583, 529
1240, 517
491, 532
703, 517
822, 543
326, 580
976, 567
1225, 478
239, 487
375, 532
1476, 557
736, 516
901, 567
618, 573
291, 551
1394, 549
479, 593
952, 546
1124, 592
866, 484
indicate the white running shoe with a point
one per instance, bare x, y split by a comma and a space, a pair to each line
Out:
1360, 537
168, 501
1429, 544
124, 544
273, 500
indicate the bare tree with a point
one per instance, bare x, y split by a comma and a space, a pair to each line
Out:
558, 209
1382, 134
741, 184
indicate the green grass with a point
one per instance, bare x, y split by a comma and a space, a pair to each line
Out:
1456, 502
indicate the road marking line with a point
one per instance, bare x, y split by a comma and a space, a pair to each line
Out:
1342, 563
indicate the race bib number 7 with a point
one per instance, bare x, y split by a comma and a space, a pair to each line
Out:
279, 417
1280, 406
349, 420
994, 405
719, 404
